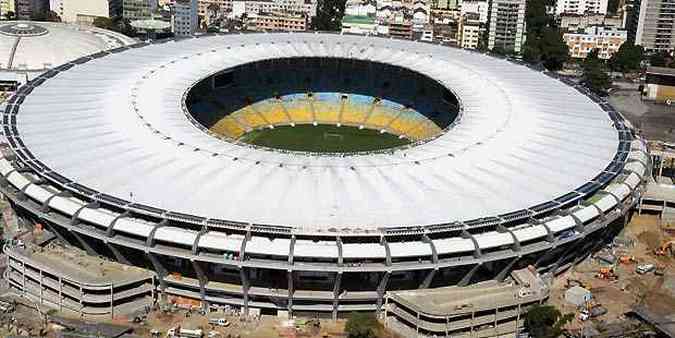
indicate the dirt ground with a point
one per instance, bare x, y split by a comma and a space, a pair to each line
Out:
631, 288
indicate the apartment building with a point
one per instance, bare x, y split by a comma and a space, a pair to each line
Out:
185, 17
506, 25
656, 26
85, 11
278, 22
606, 40
580, 7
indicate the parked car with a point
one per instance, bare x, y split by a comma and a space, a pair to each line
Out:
645, 268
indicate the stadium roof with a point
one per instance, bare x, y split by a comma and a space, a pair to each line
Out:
36, 46
117, 125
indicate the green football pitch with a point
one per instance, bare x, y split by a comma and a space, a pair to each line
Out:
322, 138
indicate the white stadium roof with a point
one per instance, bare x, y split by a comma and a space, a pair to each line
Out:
36, 46
116, 125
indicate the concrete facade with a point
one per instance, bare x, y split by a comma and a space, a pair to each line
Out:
185, 17
606, 40
506, 25
581, 7
655, 29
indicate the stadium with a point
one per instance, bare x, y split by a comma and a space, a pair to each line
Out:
182, 157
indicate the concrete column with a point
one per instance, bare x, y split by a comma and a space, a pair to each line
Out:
23, 277
41, 288
381, 288
203, 280
417, 324
467, 278
505, 272
244, 288
496, 315
81, 297
117, 253
88, 248
336, 294
427, 280
60, 293
289, 304
160, 270
112, 302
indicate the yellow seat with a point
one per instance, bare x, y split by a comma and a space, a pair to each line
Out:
250, 117
299, 110
354, 113
404, 122
229, 127
272, 112
327, 112
381, 116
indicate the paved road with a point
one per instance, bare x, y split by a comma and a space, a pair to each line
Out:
656, 121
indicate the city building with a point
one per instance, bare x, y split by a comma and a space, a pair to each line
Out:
580, 7
361, 8
660, 85
138, 9
506, 25
359, 24
85, 11
606, 40
655, 29
251, 7
447, 4
402, 29
7, 6
277, 22
185, 18
26, 9
447, 33
470, 30
575, 22
480, 7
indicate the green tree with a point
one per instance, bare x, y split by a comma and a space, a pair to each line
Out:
595, 73
361, 325
116, 24
627, 58
46, 16
329, 15
10, 15
103, 22
544, 41
545, 321
660, 59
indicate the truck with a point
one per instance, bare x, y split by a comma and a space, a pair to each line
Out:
219, 322
184, 333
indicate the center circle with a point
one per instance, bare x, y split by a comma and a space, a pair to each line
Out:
23, 29
322, 105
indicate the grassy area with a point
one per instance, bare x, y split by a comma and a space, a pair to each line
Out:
322, 138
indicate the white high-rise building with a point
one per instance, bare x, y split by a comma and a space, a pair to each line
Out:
655, 28
185, 17
85, 11
506, 25
580, 7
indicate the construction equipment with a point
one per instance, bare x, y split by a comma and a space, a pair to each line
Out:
625, 259
607, 273
666, 248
